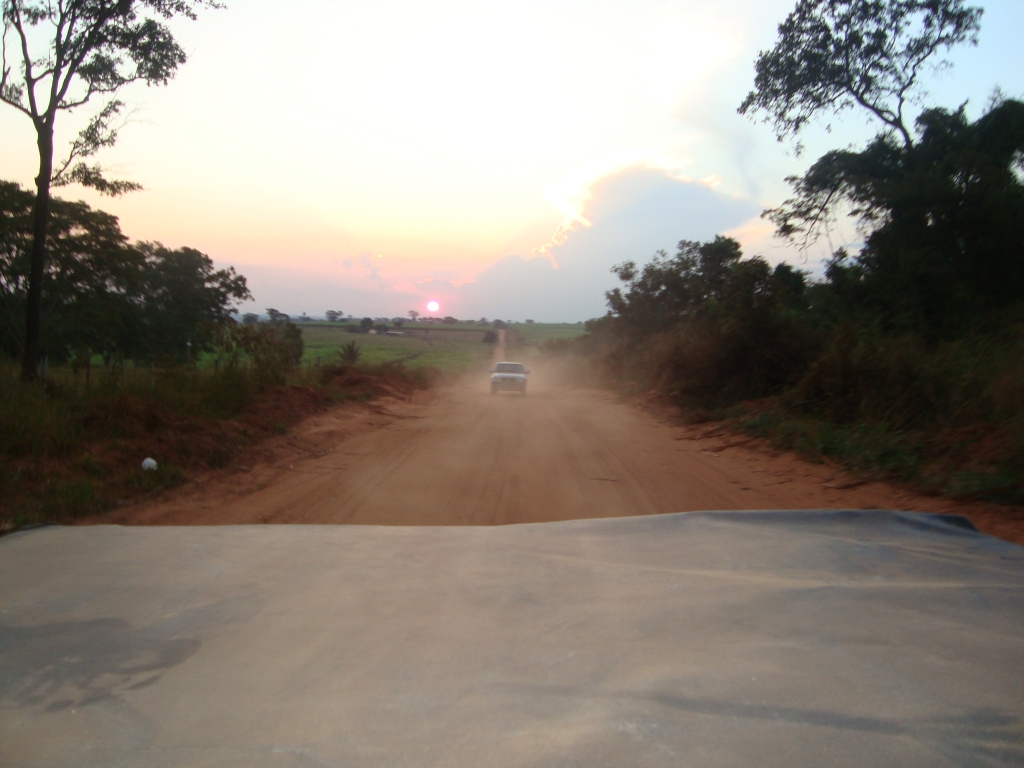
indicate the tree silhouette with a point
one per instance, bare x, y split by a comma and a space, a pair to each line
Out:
93, 48
943, 245
103, 294
833, 55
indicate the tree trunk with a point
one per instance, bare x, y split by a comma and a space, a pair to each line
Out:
40, 224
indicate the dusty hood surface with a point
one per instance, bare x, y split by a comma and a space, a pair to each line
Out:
703, 639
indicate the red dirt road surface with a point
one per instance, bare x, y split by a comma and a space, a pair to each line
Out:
461, 456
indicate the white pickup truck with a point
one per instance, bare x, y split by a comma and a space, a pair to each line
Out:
508, 376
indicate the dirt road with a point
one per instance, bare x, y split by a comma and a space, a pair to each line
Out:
462, 456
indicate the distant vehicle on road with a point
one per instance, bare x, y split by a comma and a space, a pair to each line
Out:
508, 376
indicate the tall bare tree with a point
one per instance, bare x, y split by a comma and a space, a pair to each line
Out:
57, 56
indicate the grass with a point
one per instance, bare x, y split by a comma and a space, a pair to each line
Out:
948, 418
449, 347
428, 347
535, 334
76, 449
985, 461
873, 449
452, 348
524, 341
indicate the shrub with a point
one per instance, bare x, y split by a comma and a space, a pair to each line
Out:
275, 349
904, 382
350, 353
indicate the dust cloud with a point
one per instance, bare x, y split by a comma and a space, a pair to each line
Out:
566, 450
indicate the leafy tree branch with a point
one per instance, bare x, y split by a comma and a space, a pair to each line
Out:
834, 55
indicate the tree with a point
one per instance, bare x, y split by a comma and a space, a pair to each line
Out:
101, 293
184, 299
275, 349
833, 55
943, 246
720, 327
703, 280
277, 317
413, 314
333, 315
93, 279
93, 48
250, 318
366, 324
350, 353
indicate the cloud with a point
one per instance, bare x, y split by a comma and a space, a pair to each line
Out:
631, 214
371, 261
626, 215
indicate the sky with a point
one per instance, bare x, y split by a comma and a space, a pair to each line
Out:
498, 158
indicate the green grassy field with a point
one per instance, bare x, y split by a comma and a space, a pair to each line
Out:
447, 351
523, 341
454, 347
450, 347
534, 334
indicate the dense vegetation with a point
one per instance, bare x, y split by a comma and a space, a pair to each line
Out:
70, 447
103, 295
906, 357
70, 54
124, 328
